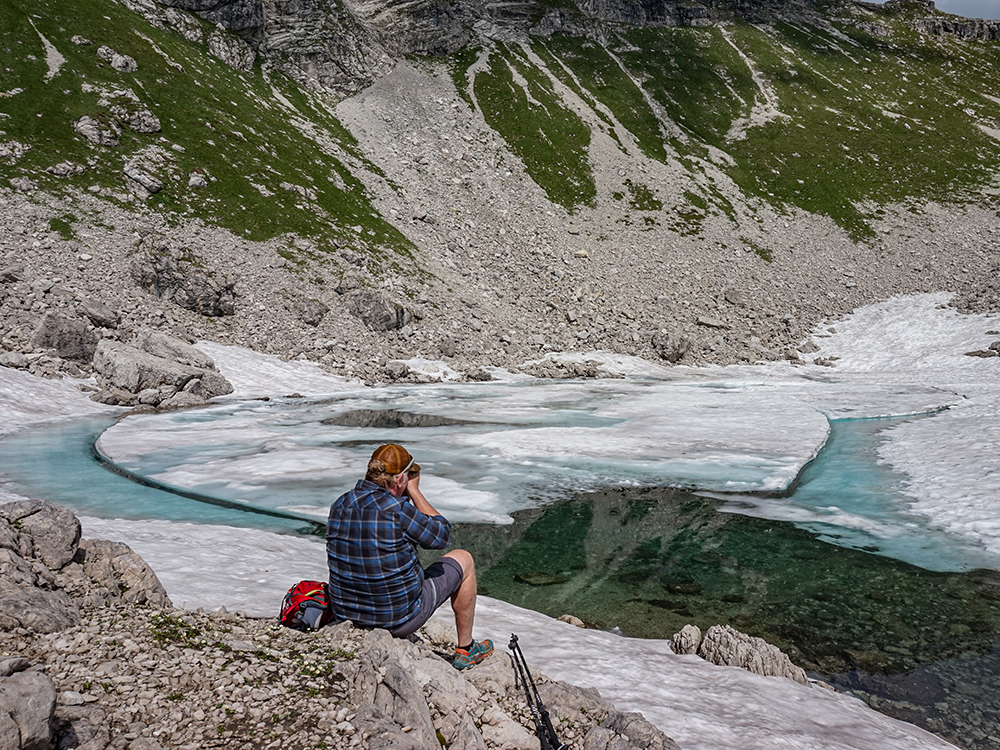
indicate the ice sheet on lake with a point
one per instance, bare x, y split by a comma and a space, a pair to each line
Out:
952, 460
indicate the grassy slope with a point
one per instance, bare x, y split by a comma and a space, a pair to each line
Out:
864, 121
234, 127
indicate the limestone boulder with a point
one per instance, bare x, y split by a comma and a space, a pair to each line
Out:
671, 346
134, 370
53, 531
640, 732
67, 337
377, 312
170, 347
309, 311
98, 313
727, 646
140, 177
182, 279
27, 705
97, 132
687, 640
47, 573
122, 571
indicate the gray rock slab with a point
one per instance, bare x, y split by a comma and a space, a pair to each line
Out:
172, 348
69, 338
29, 699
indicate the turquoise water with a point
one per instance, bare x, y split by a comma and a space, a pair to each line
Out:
846, 497
57, 463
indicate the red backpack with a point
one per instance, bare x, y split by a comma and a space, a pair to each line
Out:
306, 606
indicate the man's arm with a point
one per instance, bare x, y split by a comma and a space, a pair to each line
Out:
417, 497
429, 529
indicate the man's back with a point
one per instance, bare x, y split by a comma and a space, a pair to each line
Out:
371, 540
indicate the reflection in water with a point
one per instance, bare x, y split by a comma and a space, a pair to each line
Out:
650, 561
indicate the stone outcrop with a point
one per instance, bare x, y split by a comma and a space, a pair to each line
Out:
727, 646
376, 311
47, 573
243, 17
156, 370
177, 276
48, 576
964, 28
68, 338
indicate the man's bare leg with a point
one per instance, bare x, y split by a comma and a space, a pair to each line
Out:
463, 601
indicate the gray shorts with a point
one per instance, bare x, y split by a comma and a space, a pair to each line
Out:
441, 579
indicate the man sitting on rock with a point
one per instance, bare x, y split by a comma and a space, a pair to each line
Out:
376, 579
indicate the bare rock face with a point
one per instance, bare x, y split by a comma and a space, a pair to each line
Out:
68, 338
232, 50
47, 573
27, 705
378, 313
322, 45
243, 17
727, 646
425, 27
176, 276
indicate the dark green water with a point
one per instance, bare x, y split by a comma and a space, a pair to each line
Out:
650, 561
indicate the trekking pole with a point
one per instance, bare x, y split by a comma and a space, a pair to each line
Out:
543, 724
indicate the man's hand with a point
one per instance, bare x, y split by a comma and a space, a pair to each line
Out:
413, 484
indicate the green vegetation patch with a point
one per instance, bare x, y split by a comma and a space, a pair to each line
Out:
612, 86
872, 124
694, 75
549, 138
270, 153
642, 197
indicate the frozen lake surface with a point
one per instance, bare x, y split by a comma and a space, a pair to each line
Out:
513, 445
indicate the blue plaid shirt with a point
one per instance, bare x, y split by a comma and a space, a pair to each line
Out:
371, 548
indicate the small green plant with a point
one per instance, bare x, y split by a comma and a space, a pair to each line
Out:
169, 629
63, 227
762, 252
